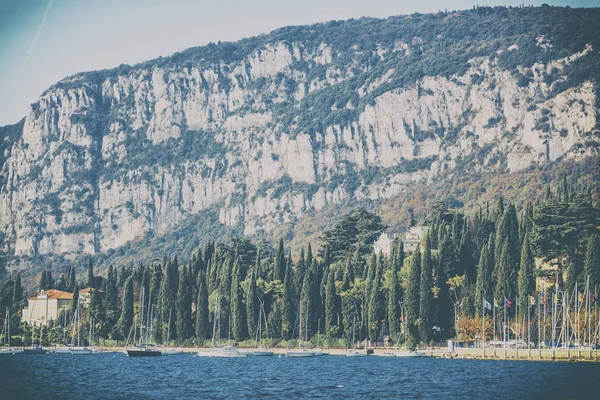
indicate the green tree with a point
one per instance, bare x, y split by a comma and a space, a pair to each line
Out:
280, 263
526, 279
91, 280
183, 305
202, 313
426, 314
591, 264
126, 319
252, 306
168, 297
412, 297
393, 309
288, 297
483, 286
238, 314
331, 307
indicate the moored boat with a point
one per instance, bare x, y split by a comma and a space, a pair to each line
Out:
300, 353
356, 353
143, 352
34, 349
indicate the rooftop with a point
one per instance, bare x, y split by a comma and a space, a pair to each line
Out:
53, 294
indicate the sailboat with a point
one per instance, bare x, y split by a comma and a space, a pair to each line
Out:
260, 350
62, 349
142, 348
317, 350
35, 347
78, 350
302, 350
355, 352
228, 351
169, 351
6, 349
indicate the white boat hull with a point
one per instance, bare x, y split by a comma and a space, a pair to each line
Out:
172, 352
356, 354
300, 354
10, 351
260, 353
81, 352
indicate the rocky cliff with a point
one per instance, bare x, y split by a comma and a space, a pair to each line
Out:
266, 130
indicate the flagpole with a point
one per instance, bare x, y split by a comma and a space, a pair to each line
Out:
589, 323
517, 325
528, 328
494, 322
539, 317
483, 327
504, 329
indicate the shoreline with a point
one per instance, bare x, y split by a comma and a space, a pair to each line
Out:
559, 355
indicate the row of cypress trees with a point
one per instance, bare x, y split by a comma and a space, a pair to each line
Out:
346, 290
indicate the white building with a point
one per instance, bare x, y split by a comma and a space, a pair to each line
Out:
413, 237
383, 244
46, 306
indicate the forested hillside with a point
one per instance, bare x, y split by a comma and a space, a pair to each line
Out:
279, 135
431, 294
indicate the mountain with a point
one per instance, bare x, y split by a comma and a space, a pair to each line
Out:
274, 135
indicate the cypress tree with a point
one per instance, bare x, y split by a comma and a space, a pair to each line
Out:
288, 312
393, 309
426, 295
505, 287
307, 303
526, 280
126, 319
42, 284
238, 315
467, 249
372, 297
592, 263
280, 263
183, 305
71, 281
299, 273
331, 311
17, 295
483, 284
75, 299
252, 306
168, 296
91, 280
202, 325
411, 297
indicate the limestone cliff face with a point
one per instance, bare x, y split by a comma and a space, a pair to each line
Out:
104, 158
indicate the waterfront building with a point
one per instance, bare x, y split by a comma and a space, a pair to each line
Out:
46, 306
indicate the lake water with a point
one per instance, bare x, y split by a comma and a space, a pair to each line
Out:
116, 376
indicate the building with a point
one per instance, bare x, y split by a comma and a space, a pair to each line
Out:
413, 237
46, 306
383, 244
85, 296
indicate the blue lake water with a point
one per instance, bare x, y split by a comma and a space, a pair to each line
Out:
116, 376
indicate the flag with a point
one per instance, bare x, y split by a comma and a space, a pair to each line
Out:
486, 304
507, 302
555, 298
581, 297
496, 304
531, 301
592, 298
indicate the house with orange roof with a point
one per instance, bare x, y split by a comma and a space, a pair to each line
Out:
46, 306
85, 296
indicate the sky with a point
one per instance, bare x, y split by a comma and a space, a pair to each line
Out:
43, 41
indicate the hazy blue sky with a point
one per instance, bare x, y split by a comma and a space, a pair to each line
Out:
42, 41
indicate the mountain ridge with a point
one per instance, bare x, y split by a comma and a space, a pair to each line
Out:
260, 133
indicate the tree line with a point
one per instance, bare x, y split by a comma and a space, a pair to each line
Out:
345, 289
